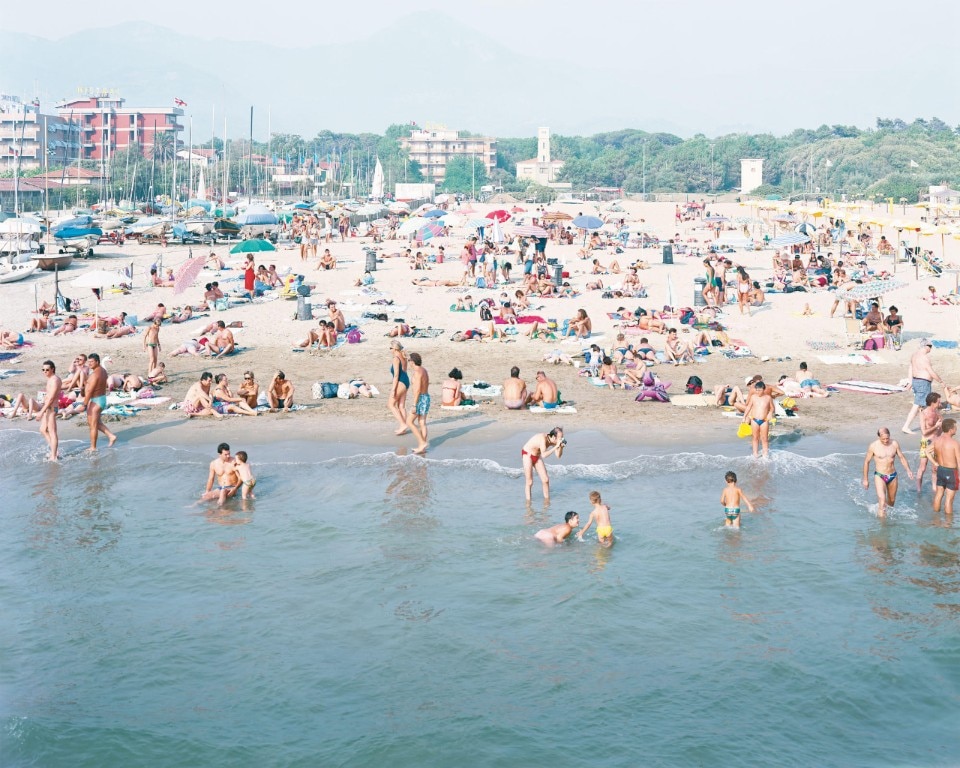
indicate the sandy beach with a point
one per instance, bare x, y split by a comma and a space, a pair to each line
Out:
779, 335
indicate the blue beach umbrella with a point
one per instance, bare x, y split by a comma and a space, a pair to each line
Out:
436, 213
587, 222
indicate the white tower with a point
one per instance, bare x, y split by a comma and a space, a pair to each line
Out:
543, 145
751, 175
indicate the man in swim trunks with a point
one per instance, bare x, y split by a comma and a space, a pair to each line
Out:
534, 450
280, 393
546, 393
419, 384
47, 415
946, 458
882, 452
758, 413
223, 470
600, 514
930, 420
199, 400
95, 400
223, 343
515, 394
922, 376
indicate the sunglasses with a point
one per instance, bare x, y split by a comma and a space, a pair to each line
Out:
45, 370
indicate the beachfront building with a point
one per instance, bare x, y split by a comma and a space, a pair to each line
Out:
198, 157
432, 147
30, 139
541, 169
751, 174
107, 126
942, 194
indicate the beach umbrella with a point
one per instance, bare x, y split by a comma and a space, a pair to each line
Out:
587, 222
428, 231
451, 220
99, 279
556, 216
870, 290
436, 213
499, 215
398, 207
255, 245
187, 273
530, 230
477, 223
411, 225
444, 198
806, 228
791, 238
785, 218
713, 219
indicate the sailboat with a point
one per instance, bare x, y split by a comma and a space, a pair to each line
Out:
376, 188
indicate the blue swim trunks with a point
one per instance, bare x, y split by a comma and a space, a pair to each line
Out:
921, 388
423, 405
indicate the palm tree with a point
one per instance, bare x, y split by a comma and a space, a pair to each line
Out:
163, 146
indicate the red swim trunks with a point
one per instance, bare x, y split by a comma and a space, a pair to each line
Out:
533, 459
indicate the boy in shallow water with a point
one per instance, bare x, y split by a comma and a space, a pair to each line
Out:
600, 514
555, 534
247, 479
731, 498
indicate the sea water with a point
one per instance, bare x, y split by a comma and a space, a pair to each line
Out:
376, 609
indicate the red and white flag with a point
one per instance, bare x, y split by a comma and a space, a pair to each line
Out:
180, 102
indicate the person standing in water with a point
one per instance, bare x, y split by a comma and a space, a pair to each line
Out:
882, 453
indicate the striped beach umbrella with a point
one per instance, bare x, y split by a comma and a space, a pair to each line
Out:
428, 231
870, 290
530, 230
790, 238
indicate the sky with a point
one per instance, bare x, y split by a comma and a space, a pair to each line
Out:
790, 64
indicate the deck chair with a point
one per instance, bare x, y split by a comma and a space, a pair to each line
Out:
855, 334
289, 289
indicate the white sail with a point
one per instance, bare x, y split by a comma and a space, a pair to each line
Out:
376, 189
201, 186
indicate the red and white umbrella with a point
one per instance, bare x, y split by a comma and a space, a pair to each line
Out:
499, 215
530, 230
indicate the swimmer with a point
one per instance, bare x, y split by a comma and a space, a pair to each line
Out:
600, 514
883, 451
732, 499
556, 534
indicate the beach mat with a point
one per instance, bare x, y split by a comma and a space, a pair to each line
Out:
474, 392
426, 333
851, 359
460, 407
561, 409
7, 373
869, 387
693, 401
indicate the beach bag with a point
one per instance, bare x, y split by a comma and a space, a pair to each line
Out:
353, 336
481, 282
687, 316
875, 343
744, 430
694, 385
328, 389
485, 313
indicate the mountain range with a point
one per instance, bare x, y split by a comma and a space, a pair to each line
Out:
425, 67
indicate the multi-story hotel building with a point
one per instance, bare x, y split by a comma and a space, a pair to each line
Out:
433, 147
31, 138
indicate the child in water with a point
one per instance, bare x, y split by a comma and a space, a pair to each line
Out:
600, 514
731, 498
246, 476
555, 534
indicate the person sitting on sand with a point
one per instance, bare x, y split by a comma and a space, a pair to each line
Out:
756, 295
158, 375
515, 395
546, 392
214, 262
225, 401
313, 336
580, 325
249, 390
452, 392
464, 303
280, 393
327, 260
223, 343
507, 314
677, 351
933, 298
545, 286
520, 301
608, 373
199, 399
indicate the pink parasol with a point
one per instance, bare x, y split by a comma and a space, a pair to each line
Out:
187, 274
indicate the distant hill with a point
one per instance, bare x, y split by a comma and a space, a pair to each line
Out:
426, 67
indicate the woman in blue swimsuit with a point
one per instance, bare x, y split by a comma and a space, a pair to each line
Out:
397, 402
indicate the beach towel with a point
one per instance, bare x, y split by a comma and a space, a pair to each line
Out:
945, 343
823, 346
7, 373
148, 401
851, 359
473, 407
870, 387
426, 333
474, 392
693, 401
559, 409
9, 355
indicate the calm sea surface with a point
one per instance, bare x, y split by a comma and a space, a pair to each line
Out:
374, 609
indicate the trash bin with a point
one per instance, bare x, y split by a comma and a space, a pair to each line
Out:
668, 254
558, 275
698, 284
371, 261
304, 308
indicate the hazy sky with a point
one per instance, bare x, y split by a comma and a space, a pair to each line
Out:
835, 61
